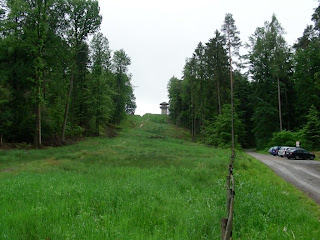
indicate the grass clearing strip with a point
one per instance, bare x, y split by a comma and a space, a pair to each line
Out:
138, 187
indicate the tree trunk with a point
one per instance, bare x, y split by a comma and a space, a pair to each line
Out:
39, 69
287, 109
1, 140
202, 110
98, 123
38, 141
279, 104
232, 110
98, 113
67, 108
37, 137
97, 127
219, 97
193, 114
194, 129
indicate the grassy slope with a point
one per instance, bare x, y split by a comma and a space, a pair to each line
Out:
144, 184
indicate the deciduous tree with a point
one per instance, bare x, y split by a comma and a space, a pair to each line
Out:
82, 19
121, 62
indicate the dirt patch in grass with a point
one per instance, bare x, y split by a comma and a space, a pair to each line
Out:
7, 170
53, 162
157, 137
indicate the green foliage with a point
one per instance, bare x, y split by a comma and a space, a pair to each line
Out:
130, 105
217, 66
264, 124
270, 68
287, 138
74, 131
307, 64
5, 111
316, 19
312, 129
99, 89
199, 97
244, 108
122, 86
83, 19
265, 102
44, 53
175, 102
231, 33
218, 132
306, 70
309, 136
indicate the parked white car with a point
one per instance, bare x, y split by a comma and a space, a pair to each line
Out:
283, 150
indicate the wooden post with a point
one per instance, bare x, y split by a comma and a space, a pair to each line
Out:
228, 234
228, 193
223, 224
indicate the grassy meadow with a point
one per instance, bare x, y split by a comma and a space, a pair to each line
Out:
149, 182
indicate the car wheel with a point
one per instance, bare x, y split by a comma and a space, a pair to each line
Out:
289, 158
311, 158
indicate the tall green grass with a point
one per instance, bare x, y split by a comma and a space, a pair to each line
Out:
147, 183
269, 208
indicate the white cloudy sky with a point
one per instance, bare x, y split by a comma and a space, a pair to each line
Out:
159, 35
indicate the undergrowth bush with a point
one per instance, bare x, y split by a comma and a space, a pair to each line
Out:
308, 136
286, 138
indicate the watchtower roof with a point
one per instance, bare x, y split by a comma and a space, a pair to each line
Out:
164, 103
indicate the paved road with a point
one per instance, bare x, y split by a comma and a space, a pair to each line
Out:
305, 174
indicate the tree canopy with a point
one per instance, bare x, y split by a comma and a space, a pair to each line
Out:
55, 84
273, 93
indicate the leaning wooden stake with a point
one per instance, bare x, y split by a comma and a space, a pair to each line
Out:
227, 223
223, 224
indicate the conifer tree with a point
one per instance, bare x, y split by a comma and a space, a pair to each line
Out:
233, 44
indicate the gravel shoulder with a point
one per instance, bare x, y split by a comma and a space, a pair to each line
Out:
305, 174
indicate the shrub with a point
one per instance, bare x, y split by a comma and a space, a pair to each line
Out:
218, 132
74, 131
287, 138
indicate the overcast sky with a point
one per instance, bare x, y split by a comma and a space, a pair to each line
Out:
158, 36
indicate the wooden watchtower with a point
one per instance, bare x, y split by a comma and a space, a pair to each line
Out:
164, 108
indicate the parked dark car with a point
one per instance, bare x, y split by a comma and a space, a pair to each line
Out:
300, 153
274, 150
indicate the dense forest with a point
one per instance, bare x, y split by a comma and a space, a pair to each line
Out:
276, 88
58, 77
59, 80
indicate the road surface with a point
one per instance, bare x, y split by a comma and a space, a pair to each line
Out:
305, 174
